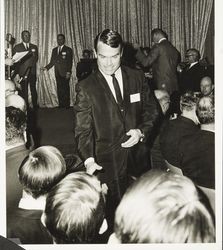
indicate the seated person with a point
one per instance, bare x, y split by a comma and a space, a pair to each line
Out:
39, 172
162, 207
85, 66
192, 74
207, 86
197, 151
176, 129
75, 210
15, 124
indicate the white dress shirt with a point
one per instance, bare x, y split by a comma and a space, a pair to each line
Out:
118, 75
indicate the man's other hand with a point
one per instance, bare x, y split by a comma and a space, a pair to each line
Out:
91, 167
135, 136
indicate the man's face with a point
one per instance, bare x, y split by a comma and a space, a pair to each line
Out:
191, 57
206, 87
108, 58
60, 40
26, 37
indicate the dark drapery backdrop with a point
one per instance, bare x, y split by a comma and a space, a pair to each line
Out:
185, 21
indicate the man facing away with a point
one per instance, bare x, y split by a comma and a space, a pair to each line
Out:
114, 112
62, 60
26, 67
163, 58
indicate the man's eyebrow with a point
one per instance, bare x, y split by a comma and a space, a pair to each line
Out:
109, 56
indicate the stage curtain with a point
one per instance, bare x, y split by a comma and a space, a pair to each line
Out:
185, 21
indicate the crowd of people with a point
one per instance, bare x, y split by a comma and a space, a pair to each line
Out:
144, 134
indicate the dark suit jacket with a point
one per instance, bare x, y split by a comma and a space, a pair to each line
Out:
29, 60
197, 158
171, 136
164, 58
63, 62
190, 78
100, 127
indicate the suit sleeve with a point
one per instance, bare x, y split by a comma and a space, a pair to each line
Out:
83, 126
70, 60
147, 61
150, 110
52, 61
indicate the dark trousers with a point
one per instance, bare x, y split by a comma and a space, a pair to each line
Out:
63, 91
30, 80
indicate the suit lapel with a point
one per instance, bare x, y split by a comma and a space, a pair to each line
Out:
126, 93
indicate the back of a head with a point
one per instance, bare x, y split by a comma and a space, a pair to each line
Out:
110, 37
162, 207
157, 34
10, 88
163, 98
188, 101
206, 110
15, 120
74, 209
86, 54
15, 101
43, 168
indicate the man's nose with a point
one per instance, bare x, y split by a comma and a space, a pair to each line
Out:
108, 61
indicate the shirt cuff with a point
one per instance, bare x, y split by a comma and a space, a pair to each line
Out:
89, 160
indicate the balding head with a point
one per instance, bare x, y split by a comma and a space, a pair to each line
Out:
10, 88
15, 101
206, 86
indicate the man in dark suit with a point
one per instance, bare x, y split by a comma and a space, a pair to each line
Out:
197, 151
191, 75
26, 67
174, 130
114, 114
163, 58
62, 60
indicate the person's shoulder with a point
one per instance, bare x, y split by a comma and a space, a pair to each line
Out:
68, 48
17, 45
132, 71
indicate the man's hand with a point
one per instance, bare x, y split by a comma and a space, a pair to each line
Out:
9, 61
135, 136
91, 167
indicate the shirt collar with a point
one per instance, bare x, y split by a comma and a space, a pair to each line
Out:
117, 73
162, 39
29, 202
192, 64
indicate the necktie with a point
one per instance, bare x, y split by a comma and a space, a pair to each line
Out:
117, 92
27, 46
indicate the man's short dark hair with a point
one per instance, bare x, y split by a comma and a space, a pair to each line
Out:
188, 101
15, 123
25, 31
110, 37
74, 209
61, 35
159, 32
206, 110
43, 168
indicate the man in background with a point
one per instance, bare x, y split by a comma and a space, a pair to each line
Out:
26, 67
85, 66
163, 58
207, 86
62, 60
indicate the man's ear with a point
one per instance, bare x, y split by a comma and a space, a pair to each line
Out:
95, 53
113, 239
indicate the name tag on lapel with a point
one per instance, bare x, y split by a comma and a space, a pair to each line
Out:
135, 98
